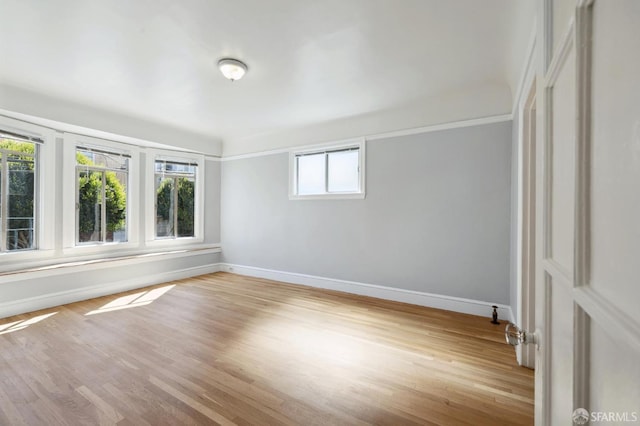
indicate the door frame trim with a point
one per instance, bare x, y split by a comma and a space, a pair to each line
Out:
582, 210
526, 205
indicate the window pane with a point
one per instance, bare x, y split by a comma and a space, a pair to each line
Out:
311, 174
20, 207
89, 206
176, 168
116, 201
343, 171
1, 196
175, 199
186, 207
17, 170
102, 159
102, 184
164, 206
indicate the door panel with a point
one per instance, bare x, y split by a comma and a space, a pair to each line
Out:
561, 368
615, 374
615, 178
562, 155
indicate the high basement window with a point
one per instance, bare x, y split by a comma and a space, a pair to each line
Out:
330, 172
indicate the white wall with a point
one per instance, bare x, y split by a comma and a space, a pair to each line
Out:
523, 27
31, 291
465, 103
435, 218
69, 116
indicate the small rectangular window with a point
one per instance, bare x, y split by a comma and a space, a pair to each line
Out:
335, 172
18, 170
175, 189
101, 196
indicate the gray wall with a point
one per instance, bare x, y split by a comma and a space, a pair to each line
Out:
436, 217
212, 202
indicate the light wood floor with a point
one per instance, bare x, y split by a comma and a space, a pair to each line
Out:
227, 349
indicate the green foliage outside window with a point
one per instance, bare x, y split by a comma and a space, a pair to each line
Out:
11, 145
20, 172
90, 195
165, 199
22, 189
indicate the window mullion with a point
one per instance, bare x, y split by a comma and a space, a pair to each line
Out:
35, 237
5, 196
78, 171
297, 177
326, 173
155, 204
103, 209
175, 207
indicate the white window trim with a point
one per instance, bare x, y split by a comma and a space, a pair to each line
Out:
150, 198
70, 144
359, 143
46, 191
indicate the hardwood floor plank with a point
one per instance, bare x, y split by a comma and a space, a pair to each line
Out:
227, 349
109, 412
204, 409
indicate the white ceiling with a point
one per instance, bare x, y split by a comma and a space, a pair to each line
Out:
353, 66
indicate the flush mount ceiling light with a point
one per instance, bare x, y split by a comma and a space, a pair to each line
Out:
232, 69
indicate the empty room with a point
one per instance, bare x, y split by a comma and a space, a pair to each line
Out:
295, 212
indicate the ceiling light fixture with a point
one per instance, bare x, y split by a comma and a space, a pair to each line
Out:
232, 69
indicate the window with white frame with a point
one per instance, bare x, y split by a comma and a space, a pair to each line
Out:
18, 191
101, 195
175, 199
330, 172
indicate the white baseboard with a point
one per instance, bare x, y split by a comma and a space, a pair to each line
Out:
449, 303
61, 298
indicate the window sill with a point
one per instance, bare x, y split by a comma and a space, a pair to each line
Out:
26, 257
50, 264
90, 249
343, 196
174, 242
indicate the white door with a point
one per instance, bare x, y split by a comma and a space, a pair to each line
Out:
588, 205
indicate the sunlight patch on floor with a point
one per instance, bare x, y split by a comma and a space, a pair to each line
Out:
135, 300
21, 325
307, 341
